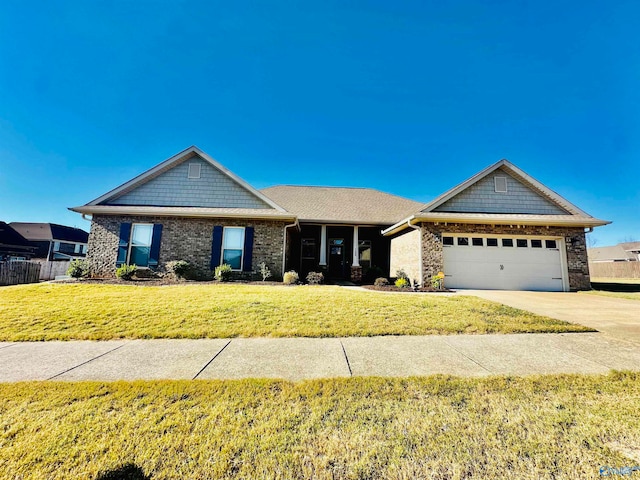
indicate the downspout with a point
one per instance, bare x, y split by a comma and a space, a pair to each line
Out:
284, 244
420, 250
84, 217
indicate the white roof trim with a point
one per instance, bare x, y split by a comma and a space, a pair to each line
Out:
556, 198
257, 213
139, 180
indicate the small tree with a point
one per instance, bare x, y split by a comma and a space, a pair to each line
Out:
264, 271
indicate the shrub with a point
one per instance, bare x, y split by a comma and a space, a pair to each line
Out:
78, 268
264, 271
381, 282
223, 272
402, 283
126, 272
315, 278
437, 281
371, 273
401, 274
290, 278
181, 269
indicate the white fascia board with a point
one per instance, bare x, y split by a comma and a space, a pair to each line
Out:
176, 212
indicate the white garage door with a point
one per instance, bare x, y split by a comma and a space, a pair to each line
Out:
503, 263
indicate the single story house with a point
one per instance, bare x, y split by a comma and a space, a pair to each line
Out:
622, 252
500, 229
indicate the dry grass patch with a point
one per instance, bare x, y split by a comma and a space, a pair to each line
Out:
547, 427
100, 312
627, 295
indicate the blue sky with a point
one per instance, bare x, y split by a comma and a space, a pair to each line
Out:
407, 97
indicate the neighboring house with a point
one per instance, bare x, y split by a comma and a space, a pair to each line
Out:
55, 245
622, 252
54, 242
500, 229
13, 246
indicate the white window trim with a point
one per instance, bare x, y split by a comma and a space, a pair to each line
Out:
133, 225
495, 184
192, 170
244, 232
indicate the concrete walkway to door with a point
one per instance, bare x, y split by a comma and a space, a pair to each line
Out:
615, 317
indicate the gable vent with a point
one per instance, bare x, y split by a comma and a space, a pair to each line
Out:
500, 184
194, 170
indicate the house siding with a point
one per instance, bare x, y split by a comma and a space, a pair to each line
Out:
481, 197
405, 255
183, 239
575, 245
173, 188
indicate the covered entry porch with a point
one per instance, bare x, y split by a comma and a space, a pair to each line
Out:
341, 252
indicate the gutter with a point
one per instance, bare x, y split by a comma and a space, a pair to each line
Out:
284, 243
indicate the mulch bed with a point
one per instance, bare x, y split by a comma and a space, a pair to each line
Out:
393, 288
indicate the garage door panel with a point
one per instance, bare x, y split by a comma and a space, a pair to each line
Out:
503, 268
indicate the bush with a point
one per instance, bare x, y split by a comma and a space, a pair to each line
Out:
290, 278
371, 273
181, 269
402, 283
381, 282
401, 274
223, 272
126, 272
78, 268
315, 278
264, 271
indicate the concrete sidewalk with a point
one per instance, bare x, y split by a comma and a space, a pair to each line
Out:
308, 358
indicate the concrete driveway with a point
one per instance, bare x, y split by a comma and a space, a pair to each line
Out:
615, 317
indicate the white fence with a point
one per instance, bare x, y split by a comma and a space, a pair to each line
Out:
49, 270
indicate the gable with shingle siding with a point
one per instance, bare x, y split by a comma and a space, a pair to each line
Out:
173, 188
519, 198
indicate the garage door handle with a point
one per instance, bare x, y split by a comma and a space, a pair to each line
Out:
556, 278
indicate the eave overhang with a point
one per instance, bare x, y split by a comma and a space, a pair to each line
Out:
190, 212
497, 219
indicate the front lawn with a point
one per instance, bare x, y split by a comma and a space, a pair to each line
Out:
627, 295
547, 427
100, 312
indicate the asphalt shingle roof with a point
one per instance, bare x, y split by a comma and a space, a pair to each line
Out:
341, 204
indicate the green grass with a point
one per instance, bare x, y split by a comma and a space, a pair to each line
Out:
100, 312
627, 295
547, 427
614, 280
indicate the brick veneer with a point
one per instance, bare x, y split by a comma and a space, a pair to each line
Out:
576, 247
182, 239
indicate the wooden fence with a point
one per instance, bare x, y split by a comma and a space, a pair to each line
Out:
614, 269
13, 273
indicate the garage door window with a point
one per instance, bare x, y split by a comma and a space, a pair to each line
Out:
492, 242
536, 243
463, 241
447, 240
477, 242
507, 242
522, 242
550, 244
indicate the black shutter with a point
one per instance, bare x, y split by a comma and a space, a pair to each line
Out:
123, 244
154, 254
248, 249
216, 246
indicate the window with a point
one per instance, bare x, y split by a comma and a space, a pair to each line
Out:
56, 246
232, 247
522, 242
507, 242
492, 242
463, 241
140, 245
364, 253
194, 170
477, 242
309, 249
500, 184
447, 240
536, 243
550, 244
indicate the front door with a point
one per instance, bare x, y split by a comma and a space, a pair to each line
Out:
336, 258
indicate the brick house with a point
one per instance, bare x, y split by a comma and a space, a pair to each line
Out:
500, 229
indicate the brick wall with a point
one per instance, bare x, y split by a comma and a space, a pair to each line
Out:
183, 239
575, 242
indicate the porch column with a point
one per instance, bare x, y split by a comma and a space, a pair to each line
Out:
323, 245
356, 252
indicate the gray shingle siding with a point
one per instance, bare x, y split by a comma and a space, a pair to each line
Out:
173, 189
481, 197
